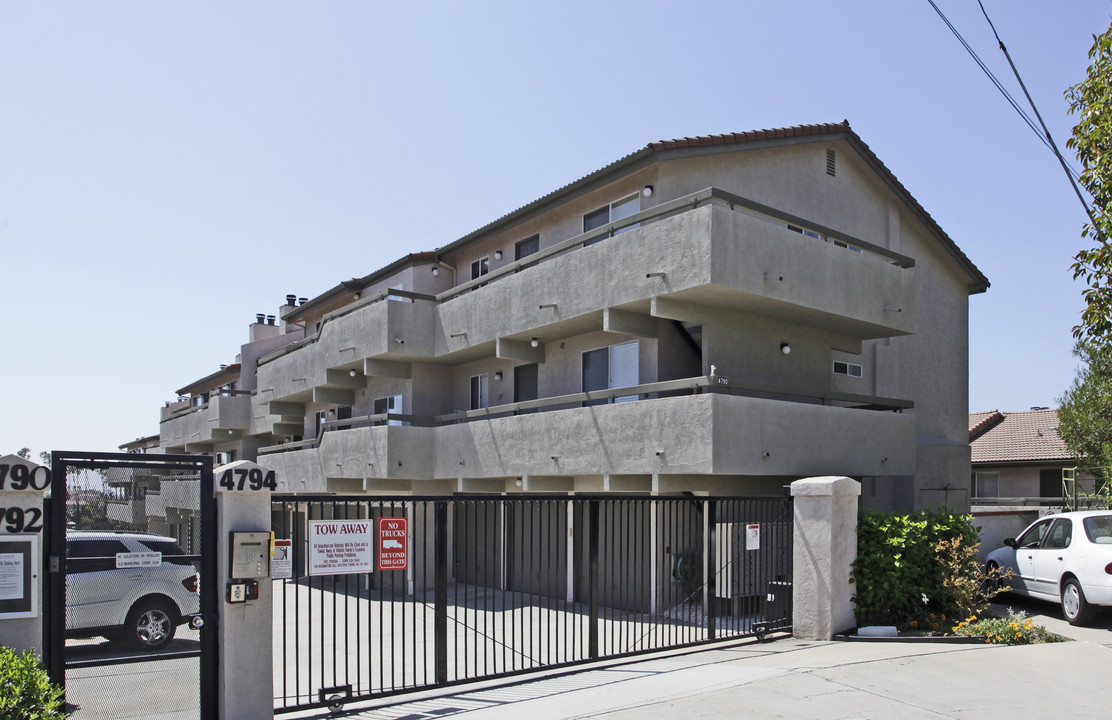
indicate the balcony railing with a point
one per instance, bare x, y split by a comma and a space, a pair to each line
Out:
182, 412
648, 391
657, 212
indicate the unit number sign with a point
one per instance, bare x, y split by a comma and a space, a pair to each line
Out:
244, 479
21, 477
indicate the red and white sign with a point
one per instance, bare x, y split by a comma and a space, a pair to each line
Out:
753, 537
393, 543
340, 547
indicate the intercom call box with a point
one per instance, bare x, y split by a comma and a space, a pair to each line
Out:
250, 555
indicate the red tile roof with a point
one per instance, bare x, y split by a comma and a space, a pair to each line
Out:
1014, 437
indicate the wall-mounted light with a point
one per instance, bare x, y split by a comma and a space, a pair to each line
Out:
647, 191
497, 254
435, 271
785, 349
352, 372
498, 375
358, 295
535, 342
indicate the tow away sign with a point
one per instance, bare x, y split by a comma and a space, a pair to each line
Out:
393, 543
340, 547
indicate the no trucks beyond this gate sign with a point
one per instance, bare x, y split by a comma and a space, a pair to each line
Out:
393, 543
340, 547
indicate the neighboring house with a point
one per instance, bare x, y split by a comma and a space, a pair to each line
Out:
719, 314
1018, 458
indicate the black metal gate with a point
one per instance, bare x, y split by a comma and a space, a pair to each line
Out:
500, 585
129, 628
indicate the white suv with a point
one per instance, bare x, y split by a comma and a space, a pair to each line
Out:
134, 588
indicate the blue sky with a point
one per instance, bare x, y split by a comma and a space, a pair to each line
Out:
167, 170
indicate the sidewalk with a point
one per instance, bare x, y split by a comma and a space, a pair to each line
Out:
790, 678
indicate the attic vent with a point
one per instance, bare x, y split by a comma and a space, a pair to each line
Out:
830, 163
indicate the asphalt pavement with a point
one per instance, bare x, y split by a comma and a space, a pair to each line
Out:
789, 678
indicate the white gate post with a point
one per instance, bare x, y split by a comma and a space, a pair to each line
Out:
22, 581
824, 548
246, 629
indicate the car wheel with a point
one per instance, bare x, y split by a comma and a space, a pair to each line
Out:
150, 625
1074, 606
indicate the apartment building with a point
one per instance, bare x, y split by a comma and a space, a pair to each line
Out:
719, 314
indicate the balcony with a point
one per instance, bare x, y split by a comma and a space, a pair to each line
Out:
222, 418
709, 251
180, 496
715, 430
681, 267
130, 512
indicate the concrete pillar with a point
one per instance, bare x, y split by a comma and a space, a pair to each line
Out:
825, 546
21, 553
246, 630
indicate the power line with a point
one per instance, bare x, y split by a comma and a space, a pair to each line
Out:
1049, 140
1000, 86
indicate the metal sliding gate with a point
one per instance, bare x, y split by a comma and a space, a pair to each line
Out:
499, 585
129, 539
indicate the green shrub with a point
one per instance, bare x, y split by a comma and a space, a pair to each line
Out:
901, 574
26, 692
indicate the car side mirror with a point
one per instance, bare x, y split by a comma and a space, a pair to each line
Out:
1010, 542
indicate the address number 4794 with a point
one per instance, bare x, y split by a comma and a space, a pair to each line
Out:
247, 479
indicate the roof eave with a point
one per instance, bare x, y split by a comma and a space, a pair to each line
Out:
231, 371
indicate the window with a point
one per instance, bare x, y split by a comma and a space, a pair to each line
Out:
225, 457
480, 267
1060, 535
803, 231
479, 388
317, 420
171, 553
1033, 536
847, 368
382, 406
611, 367
101, 555
527, 247
610, 213
847, 246
986, 485
343, 413
1099, 529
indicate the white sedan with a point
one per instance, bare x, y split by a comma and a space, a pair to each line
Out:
1063, 558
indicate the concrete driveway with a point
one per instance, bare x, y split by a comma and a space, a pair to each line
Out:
790, 678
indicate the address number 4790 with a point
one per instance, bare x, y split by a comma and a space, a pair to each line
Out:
247, 479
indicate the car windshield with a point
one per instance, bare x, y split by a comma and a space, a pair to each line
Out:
1099, 529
